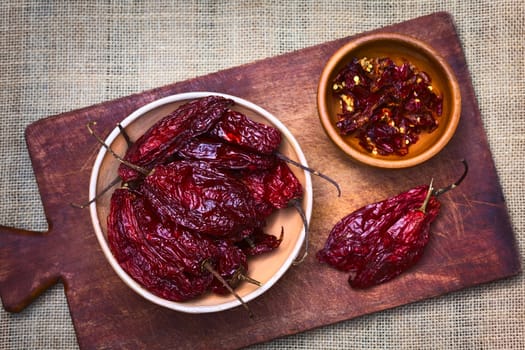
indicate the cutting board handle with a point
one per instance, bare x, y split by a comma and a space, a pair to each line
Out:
28, 266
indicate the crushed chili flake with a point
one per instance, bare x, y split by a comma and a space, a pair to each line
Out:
385, 105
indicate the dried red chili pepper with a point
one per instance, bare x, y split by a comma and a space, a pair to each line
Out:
172, 270
260, 242
386, 105
381, 240
166, 136
199, 197
224, 155
236, 128
231, 265
228, 156
273, 188
170, 261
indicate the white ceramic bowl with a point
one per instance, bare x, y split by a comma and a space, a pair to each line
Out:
266, 268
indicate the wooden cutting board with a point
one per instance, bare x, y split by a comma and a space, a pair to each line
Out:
472, 240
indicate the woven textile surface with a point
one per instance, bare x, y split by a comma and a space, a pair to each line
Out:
59, 56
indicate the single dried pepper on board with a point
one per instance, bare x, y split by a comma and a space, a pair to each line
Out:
382, 240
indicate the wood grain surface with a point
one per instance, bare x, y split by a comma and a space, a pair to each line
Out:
472, 240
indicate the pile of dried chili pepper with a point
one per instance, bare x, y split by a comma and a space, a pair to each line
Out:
386, 106
197, 189
382, 240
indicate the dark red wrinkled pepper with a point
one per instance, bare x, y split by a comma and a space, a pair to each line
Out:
167, 262
381, 240
236, 128
169, 134
273, 188
224, 155
260, 242
202, 198
232, 266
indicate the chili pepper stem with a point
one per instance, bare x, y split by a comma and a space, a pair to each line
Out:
239, 276
141, 170
427, 198
249, 280
310, 170
249, 241
208, 267
107, 188
112, 183
455, 184
297, 205
125, 135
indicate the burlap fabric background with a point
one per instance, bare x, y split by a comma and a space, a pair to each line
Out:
59, 56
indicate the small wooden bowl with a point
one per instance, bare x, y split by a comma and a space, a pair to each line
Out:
266, 268
397, 47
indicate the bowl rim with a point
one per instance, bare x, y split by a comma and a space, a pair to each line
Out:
135, 286
428, 51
